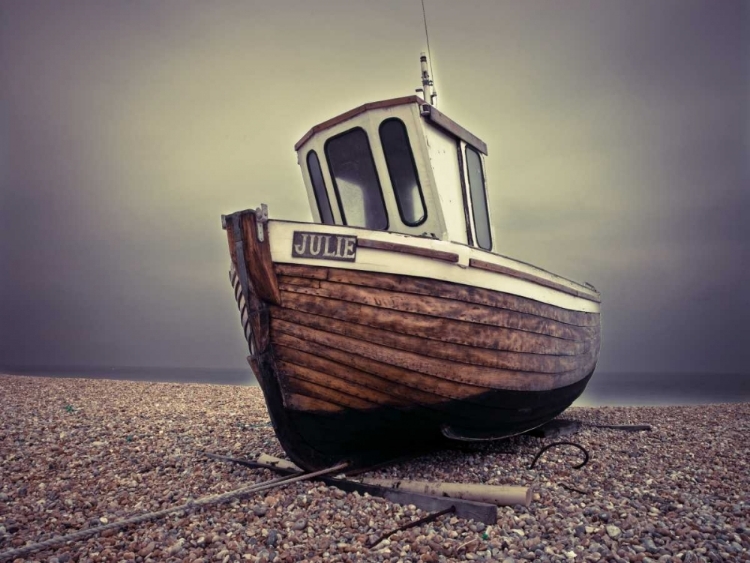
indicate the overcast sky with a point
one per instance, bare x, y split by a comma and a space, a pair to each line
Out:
618, 155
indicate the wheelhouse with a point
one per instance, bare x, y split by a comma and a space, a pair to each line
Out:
402, 166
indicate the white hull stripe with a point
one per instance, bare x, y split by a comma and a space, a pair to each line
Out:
488, 271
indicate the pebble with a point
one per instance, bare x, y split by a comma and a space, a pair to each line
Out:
300, 524
128, 448
613, 531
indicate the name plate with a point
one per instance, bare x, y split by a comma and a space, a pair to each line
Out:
323, 246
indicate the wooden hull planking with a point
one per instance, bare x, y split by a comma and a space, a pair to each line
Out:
370, 365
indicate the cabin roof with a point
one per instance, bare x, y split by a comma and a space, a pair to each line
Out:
431, 113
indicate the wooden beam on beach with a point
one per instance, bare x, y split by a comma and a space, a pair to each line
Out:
470, 510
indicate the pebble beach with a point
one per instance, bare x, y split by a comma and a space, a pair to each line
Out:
81, 453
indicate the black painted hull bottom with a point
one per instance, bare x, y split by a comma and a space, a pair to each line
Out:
368, 437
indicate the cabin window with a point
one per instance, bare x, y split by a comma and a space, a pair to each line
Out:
319, 188
403, 172
478, 199
355, 180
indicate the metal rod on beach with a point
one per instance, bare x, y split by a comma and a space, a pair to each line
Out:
213, 499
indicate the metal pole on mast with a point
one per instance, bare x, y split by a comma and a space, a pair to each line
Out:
427, 84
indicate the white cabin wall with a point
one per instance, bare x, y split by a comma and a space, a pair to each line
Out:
370, 121
443, 154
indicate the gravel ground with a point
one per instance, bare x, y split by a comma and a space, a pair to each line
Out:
77, 453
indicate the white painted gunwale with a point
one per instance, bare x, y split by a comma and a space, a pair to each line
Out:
281, 233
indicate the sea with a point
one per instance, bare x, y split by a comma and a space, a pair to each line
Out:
605, 388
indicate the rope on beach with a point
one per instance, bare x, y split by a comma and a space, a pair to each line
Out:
548, 446
584, 462
624, 427
214, 499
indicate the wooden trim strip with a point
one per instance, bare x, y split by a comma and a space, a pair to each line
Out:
407, 249
253, 314
258, 257
434, 328
497, 268
436, 117
302, 271
304, 282
353, 113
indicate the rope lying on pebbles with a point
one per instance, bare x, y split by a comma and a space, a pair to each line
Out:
624, 427
548, 446
579, 466
213, 499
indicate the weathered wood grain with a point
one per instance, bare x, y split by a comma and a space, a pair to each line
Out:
296, 385
438, 388
437, 288
258, 258
292, 280
304, 403
435, 328
351, 388
399, 393
539, 363
488, 378
447, 308
302, 271
253, 311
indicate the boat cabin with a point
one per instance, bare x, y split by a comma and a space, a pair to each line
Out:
398, 165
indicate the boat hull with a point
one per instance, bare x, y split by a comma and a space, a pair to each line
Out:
364, 365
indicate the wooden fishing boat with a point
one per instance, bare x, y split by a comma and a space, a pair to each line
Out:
390, 324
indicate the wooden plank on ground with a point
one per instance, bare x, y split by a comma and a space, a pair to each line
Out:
470, 510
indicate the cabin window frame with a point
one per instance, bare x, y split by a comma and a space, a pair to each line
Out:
374, 168
485, 201
396, 194
321, 190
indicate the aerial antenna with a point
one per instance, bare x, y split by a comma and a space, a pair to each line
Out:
428, 85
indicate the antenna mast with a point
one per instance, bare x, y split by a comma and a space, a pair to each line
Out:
428, 85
